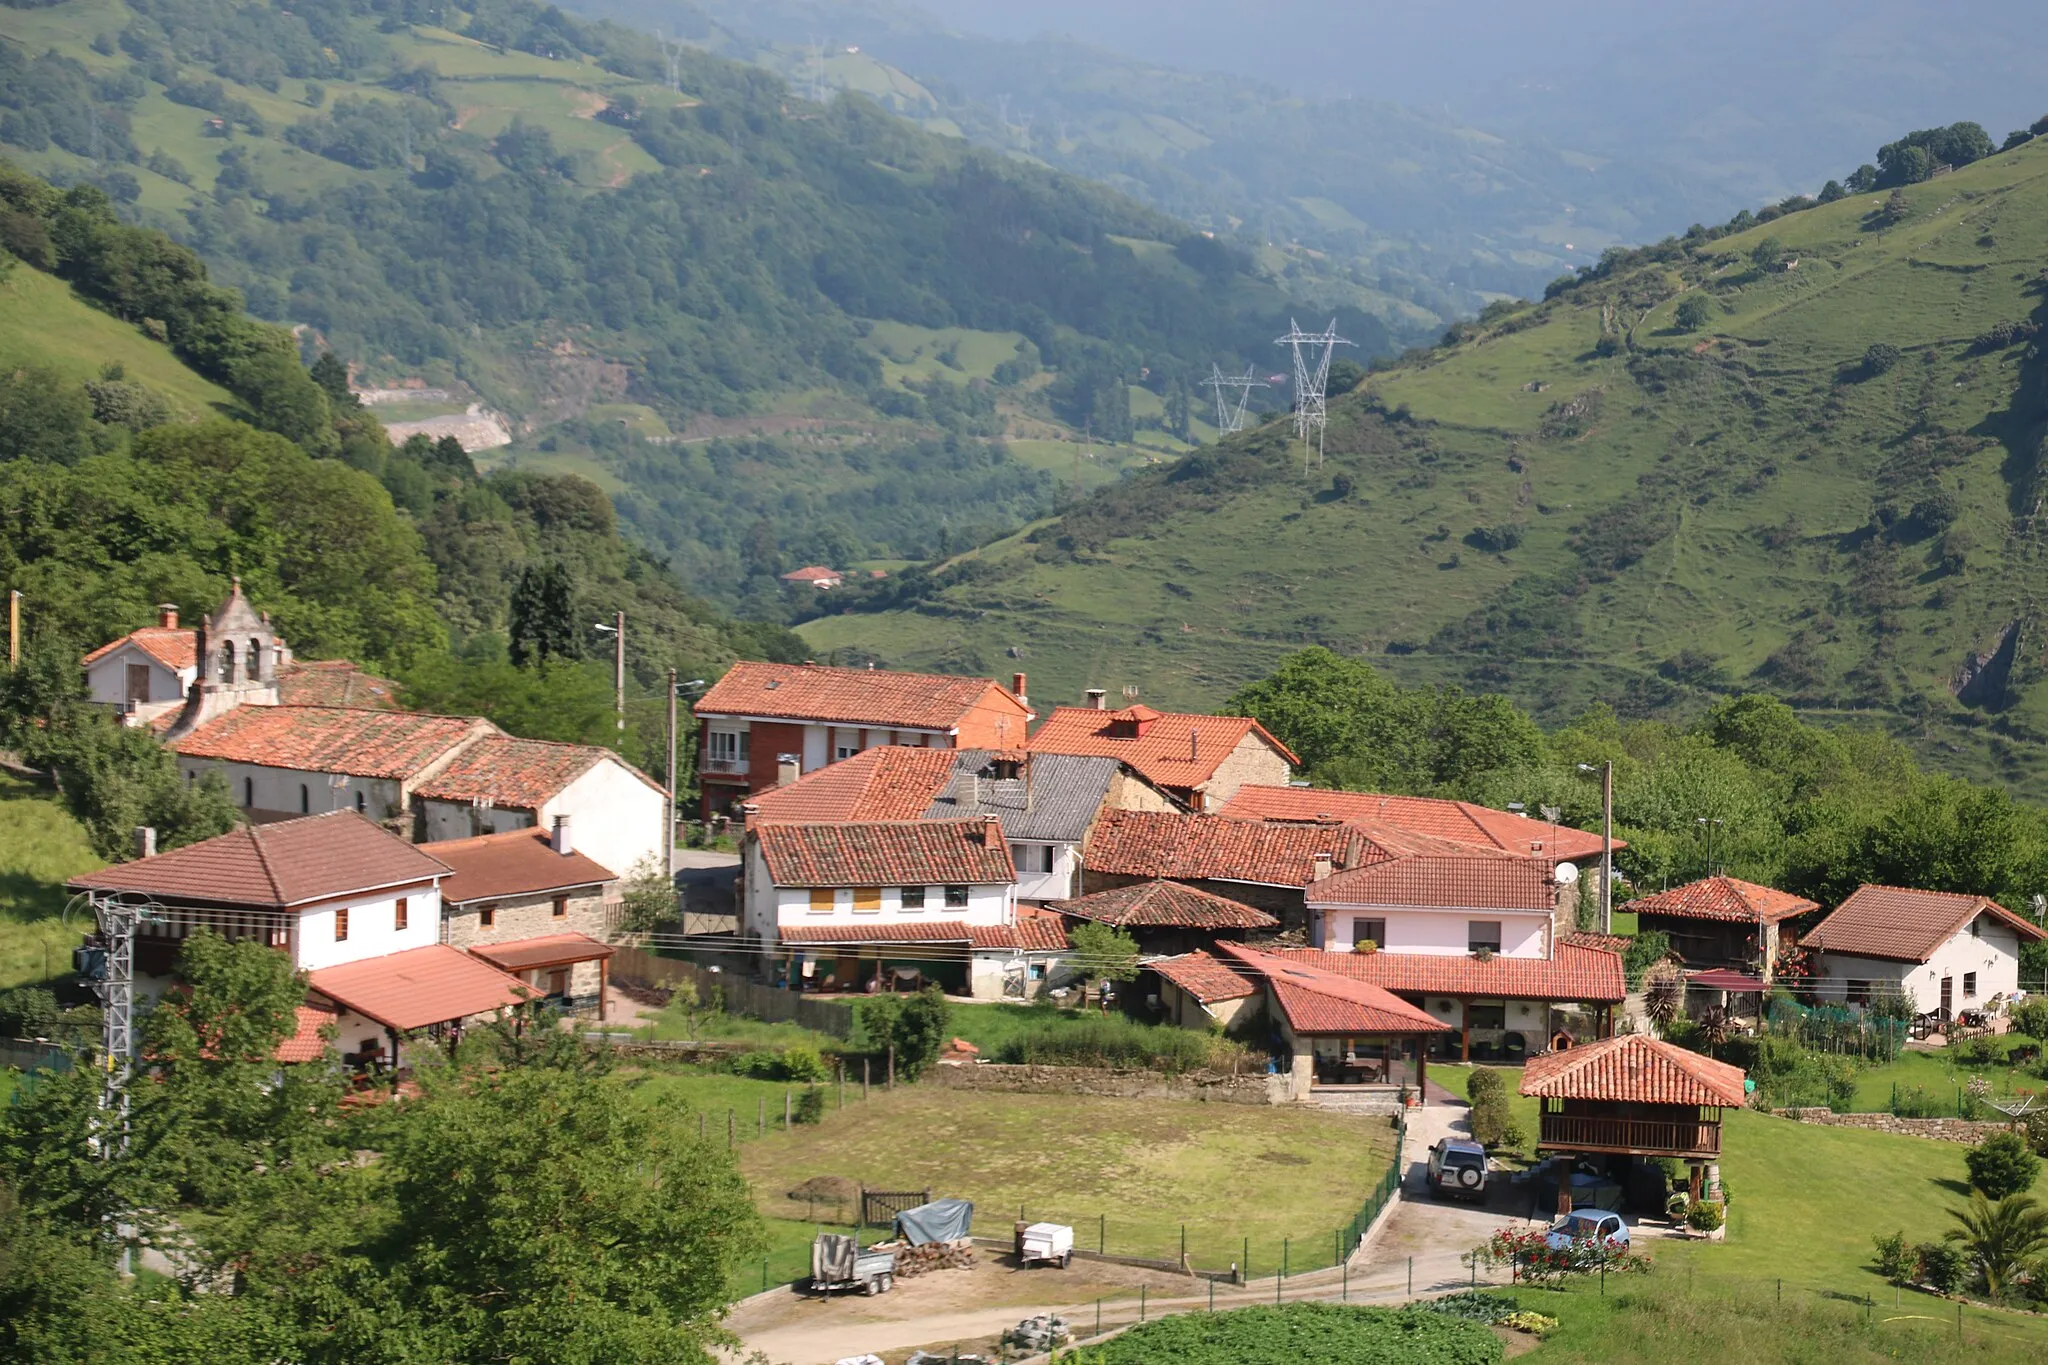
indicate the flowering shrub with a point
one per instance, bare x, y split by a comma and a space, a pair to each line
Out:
1529, 1251
1535, 1324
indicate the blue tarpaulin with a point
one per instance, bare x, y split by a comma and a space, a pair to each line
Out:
942, 1220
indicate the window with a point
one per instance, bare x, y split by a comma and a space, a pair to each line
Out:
1482, 936
1857, 992
844, 751
227, 661
913, 898
1372, 931
725, 748
561, 908
821, 900
360, 803
305, 799
487, 916
341, 924
249, 791
867, 900
1032, 857
1485, 1016
1977, 927
255, 660
956, 898
1969, 985
398, 915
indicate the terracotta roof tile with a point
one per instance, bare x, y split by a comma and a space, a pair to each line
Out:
1205, 978
1029, 935
523, 774
1724, 898
548, 950
1634, 1068
420, 986
886, 853
1458, 821
920, 931
1161, 903
173, 647
1900, 924
1171, 749
334, 682
1189, 847
888, 782
851, 696
520, 862
289, 863
306, 1043
1575, 973
1474, 879
327, 739
1315, 1000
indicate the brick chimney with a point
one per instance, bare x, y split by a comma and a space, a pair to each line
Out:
561, 841
145, 841
991, 830
1098, 698
167, 615
1017, 689
788, 768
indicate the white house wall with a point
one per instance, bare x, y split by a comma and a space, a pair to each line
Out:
461, 820
1057, 884
370, 928
107, 678
1437, 933
986, 905
615, 818
276, 791
1993, 957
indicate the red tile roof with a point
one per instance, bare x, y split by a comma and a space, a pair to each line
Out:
306, 1043
335, 682
1634, 1068
1171, 748
1458, 821
420, 986
173, 647
1724, 898
330, 739
1161, 904
886, 853
549, 950
1575, 973
1608, 943
813, 573
1204, 978
851, 696
523, 774
1189, 847
889, 782
1899, 924
1026, 935
1317, 1001
520, 862
281, 865
1473, 879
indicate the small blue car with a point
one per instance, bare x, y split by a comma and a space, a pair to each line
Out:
1588, 1227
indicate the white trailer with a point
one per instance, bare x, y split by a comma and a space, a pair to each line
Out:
1047, 1242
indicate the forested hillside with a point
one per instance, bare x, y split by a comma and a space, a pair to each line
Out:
1800, 453
626, 254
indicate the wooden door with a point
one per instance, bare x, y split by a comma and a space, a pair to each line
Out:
137, 683
558, 981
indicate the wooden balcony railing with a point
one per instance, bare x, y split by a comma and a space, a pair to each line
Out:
1656, 1137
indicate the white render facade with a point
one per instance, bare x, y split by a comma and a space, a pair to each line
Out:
617, 816
1449, 932
268, 793
1046, 871
364, 924
129, 674
1980, 960
769, 908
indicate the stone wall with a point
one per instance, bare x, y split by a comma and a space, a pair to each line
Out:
1971, 1131
1213, 1087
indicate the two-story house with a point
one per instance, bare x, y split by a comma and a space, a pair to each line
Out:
1944, 952
841, 905
532, 904
1268, 866
1200, 761
1723, 924
356, 908
761, 716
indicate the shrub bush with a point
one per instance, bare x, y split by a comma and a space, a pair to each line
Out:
1944, 1267
2031, 1018
1704, 1215
27, 1012
759, 1065
1880, 358
1115, 1041
810, 1105
1303, 1334
2001, 1165
1896, 1260
1485, 1081
803, 1064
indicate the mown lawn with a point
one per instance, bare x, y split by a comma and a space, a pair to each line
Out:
40, 846
1940, 1077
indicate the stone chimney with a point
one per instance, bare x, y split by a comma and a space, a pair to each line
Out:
167, 615
1319, 867
1017, 689
1098, 698
788, 768
562, 841
145, 841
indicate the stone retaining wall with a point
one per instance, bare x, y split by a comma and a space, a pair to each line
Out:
1210, 1086
1971, 1131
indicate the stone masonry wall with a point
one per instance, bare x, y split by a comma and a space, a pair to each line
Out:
1971, 1131
1212, 1087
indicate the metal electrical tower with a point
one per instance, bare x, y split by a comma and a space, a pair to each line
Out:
1312, 352
109, 965
672, 62
1230, 417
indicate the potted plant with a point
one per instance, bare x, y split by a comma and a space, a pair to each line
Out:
1365, 945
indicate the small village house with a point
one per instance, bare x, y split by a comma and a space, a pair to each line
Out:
1334, 1031
1200, 761
533, 905
814, 576
1944, 952
762, 724
1197, 991
1267, 866
1724, 923
1167, 918
354, 907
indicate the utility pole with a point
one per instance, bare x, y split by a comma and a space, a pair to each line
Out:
617, 630
14, 628
1606, 771
675, 786
1706, 823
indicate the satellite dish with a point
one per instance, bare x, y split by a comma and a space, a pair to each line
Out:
1567, 874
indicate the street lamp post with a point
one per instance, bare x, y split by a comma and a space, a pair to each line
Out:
617, 630
1606, 771
668, 838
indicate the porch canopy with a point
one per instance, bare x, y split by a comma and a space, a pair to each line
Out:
1633, 1095
1335, 1025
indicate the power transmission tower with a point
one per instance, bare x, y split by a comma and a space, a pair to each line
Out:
672, 60
1312, 352
1229, 416
109, 966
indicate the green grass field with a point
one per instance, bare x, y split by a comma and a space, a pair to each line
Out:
40, 846
42, 322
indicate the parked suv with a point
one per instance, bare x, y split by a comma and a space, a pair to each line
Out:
1457, 1169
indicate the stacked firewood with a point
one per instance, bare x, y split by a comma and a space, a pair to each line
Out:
910, 1260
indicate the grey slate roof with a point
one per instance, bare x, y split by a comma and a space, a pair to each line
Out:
1066, 792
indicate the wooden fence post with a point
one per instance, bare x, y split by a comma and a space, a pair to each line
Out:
892, 1066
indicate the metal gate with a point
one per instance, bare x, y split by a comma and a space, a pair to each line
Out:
878, 1208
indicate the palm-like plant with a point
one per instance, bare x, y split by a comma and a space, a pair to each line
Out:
1716, 1028
2002, 1237
1663, 994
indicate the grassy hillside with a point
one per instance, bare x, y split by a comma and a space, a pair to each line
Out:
1583, 502
43, 322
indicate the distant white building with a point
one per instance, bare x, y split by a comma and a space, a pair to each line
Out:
1944, 951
